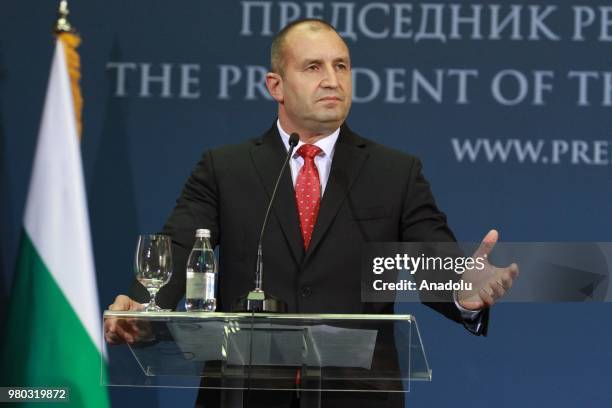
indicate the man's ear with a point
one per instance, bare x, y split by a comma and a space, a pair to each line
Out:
274, 83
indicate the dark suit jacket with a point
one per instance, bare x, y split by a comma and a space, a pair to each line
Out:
374, 193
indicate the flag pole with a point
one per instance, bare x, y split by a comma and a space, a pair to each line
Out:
62, 25
67, 34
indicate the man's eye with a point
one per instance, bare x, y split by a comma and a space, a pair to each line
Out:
342, 67
311, 68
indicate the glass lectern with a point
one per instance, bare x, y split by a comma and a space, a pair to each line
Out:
305, 353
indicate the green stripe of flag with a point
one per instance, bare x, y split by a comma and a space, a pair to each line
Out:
45, 342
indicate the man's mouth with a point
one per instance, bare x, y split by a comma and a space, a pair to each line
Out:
330, 99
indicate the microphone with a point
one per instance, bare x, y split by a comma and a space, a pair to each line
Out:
256, 300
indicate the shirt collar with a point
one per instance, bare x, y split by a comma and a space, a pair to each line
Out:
326, 144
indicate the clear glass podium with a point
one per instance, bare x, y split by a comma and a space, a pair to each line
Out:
305, 353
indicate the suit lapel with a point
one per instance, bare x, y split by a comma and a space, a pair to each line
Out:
349, 157
268, 154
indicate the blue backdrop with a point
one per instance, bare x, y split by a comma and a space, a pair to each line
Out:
508, 106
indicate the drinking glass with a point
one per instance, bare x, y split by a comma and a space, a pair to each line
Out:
153, 265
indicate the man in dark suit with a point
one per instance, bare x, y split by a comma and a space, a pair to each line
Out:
342, 191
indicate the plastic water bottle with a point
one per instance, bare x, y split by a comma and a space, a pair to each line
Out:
201, 275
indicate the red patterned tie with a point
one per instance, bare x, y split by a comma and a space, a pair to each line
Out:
308, 191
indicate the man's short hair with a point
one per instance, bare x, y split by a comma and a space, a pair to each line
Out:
278, 43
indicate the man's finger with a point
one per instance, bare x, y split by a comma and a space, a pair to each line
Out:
497, 290
514, 270
506, 281
487, 244
123, 303
486, 297
118, 305
118, 331
110, 331
124, 333
110, 338
475, 304
135, 306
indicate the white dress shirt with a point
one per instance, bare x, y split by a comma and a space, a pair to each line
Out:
323, 160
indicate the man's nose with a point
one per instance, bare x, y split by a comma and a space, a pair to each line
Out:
330, 79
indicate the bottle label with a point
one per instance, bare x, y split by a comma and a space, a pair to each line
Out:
209, 285
196, 285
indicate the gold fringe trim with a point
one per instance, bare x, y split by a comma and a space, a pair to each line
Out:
71, 42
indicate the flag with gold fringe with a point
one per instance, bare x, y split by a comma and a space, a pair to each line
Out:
53, 336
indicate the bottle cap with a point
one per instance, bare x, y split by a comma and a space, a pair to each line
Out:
202, 233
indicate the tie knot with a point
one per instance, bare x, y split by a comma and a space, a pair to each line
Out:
308, 151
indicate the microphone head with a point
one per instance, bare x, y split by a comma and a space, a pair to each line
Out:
294, 139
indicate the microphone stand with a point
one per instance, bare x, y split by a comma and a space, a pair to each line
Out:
257, 300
